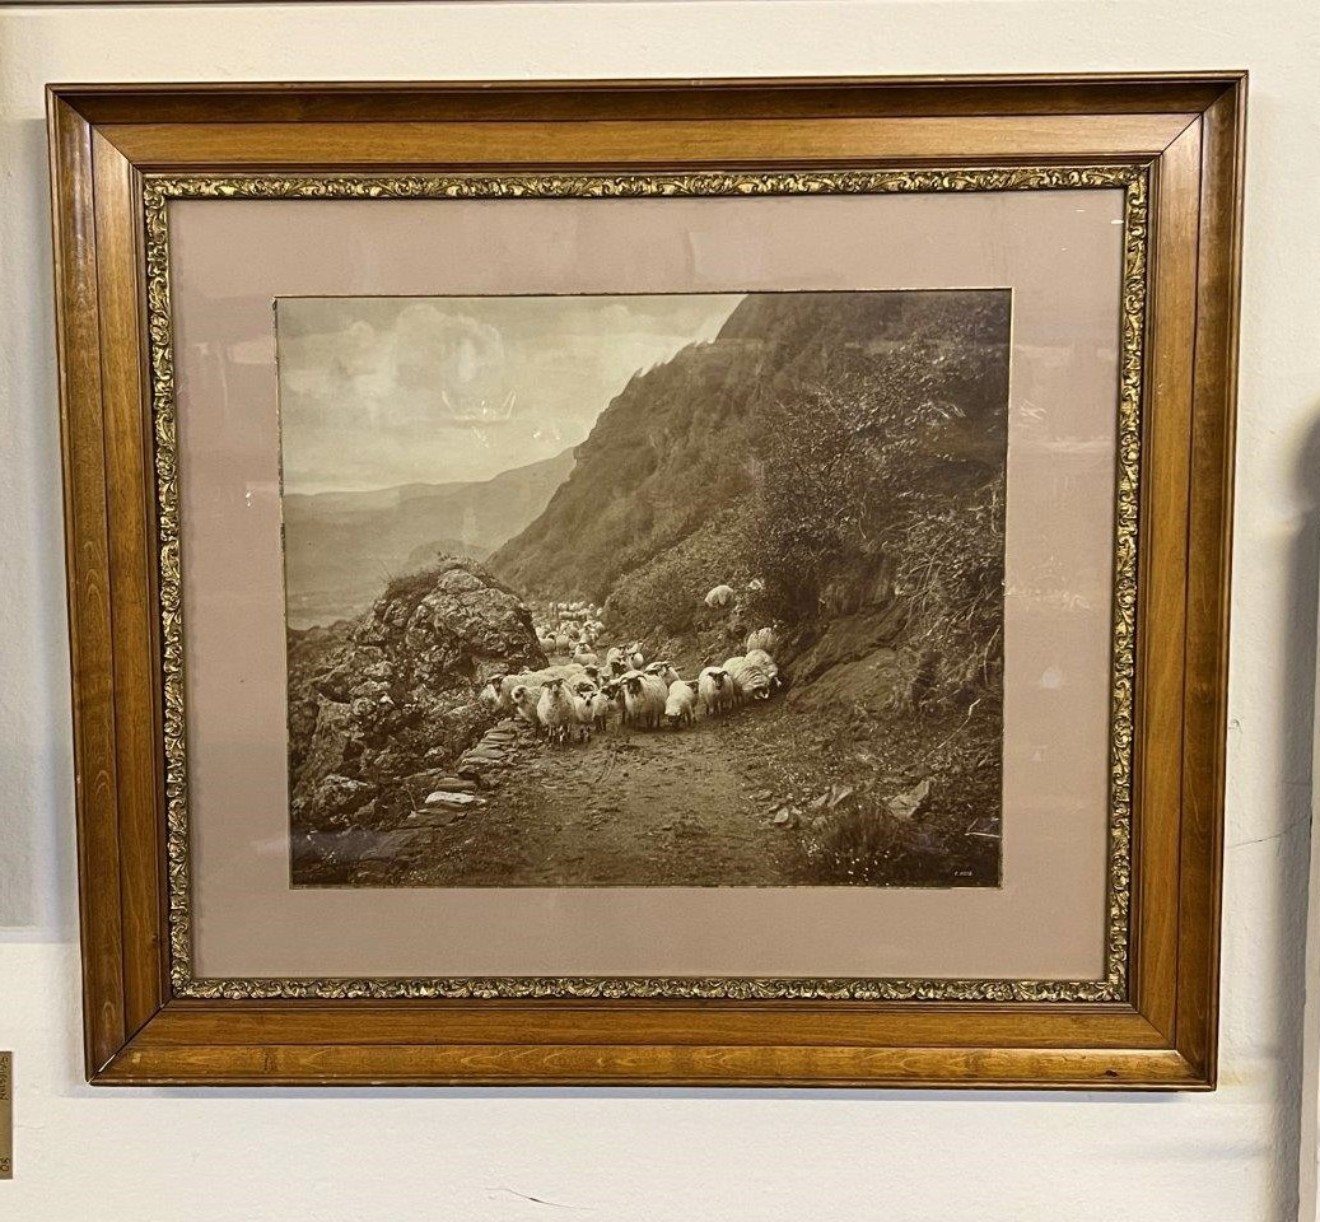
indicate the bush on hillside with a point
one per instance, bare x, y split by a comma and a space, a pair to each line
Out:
666, 596
882, 478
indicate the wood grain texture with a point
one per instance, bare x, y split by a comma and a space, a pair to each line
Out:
1166, 412
105, 953
1188, 129
710, 1064
1210, 528
612, 142
185, 1023
136, 665
506, 101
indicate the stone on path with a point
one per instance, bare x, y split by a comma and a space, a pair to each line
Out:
454, 783
453, 801
911, 801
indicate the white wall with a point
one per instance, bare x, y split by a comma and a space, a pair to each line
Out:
638, 1154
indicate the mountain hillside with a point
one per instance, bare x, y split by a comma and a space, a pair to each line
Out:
342, 547
674, 489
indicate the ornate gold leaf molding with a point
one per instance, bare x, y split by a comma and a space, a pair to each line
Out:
159, 190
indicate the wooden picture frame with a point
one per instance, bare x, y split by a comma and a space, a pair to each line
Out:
1174, 143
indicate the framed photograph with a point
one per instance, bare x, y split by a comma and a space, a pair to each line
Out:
625, 583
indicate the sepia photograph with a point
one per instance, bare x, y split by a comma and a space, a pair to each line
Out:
633, 591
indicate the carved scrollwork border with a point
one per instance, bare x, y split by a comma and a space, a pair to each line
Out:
158, 191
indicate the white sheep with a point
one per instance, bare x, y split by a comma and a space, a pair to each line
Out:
680, 704
665, 671
762, 638
583, 713
562, 670
507, 684
504, 686
525, 698
659, 691
601, 705
613, 654
634, 655
621, 693
736, 669
588, 695
555, 710
584, 656
716, 690
720, 596
613, 691
644, 697
761, 657
750, 680
490, 694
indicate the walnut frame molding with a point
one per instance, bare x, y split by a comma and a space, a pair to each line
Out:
1176, 144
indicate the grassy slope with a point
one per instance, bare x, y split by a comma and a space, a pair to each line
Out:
669, 468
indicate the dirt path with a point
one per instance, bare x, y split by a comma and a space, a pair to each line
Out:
663, 807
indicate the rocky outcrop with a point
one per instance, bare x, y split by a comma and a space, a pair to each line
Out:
850, 665
391, 698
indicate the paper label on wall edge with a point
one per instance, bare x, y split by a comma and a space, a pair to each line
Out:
6, 1115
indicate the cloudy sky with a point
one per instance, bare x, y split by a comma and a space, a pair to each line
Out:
379, 391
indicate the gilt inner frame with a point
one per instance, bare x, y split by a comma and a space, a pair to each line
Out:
159, 191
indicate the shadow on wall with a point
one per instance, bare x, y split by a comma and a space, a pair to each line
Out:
1299, 948
36, 785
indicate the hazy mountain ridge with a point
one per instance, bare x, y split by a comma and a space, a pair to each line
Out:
342, 547
680, 445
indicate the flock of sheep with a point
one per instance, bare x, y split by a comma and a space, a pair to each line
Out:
571, 699
563, 626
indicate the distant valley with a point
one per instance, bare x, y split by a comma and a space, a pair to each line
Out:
341, 548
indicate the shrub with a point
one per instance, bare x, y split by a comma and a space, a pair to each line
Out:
866, 846
882, 477
862, 843
949, 576
666, 595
